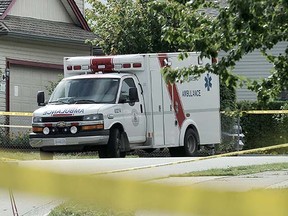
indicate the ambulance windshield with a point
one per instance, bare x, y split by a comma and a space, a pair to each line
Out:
83, 91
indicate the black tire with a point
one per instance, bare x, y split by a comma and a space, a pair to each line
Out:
44, 155
191, 143
115, 144
102, 153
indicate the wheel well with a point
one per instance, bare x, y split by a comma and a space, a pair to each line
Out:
196, 131
119, 126
126, 146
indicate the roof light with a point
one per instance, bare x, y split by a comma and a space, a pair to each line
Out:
117, 66
137, 65
127, 65
77, 67
85, 67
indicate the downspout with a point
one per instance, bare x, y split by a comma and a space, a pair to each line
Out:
7, 80
7, 97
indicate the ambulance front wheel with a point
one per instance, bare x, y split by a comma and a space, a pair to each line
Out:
191, 143
113, 148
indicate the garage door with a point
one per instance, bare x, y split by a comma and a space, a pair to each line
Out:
25, 82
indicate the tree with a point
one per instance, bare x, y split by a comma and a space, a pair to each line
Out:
125, 26
232, 26
238, 28
142, 26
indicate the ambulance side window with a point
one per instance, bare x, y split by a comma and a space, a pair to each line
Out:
126, 85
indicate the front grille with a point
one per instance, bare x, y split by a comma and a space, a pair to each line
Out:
62, 119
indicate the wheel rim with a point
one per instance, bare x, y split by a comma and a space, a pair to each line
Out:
191, 144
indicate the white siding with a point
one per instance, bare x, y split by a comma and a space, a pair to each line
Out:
43, 53
255, 67
41, 9
2, 101
2, 83
40, 52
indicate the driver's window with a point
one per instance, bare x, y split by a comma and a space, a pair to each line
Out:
126, 85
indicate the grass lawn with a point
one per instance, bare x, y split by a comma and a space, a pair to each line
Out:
35, 155
74, 209
236, 171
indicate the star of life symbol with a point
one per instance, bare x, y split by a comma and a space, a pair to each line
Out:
208, 82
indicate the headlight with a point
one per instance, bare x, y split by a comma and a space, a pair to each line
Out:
93, 117
37, 119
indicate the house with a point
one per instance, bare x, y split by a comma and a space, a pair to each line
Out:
35, 35
256, 67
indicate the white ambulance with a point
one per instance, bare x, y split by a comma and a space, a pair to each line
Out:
116, 104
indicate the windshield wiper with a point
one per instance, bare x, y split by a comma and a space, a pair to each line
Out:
66, 100
85, 101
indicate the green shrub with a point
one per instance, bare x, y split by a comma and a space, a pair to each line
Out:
264, 129
14, 140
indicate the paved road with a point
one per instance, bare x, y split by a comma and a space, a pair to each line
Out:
147, 169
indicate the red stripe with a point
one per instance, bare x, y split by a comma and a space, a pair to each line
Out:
173, 91
62, 114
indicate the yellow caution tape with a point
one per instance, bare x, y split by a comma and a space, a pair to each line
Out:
266, 112
246, 112
256, 112
250, 151
16, 113
133, 195
16, 126
130, 195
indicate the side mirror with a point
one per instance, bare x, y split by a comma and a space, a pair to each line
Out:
41, 98
133, 95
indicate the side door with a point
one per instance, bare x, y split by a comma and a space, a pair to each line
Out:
134, 119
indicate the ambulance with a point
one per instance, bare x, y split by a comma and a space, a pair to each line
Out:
117, 104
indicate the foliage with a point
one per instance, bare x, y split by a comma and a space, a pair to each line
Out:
227, 104
52, 85
14, 140
237, 29
76, 209
232, 26
125, 26
264, 130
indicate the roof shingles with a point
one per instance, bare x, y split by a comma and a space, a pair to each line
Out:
4, 5
43, 29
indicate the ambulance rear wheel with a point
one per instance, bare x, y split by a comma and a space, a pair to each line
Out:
191, 142
115, 144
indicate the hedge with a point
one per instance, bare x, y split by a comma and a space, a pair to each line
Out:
264, 129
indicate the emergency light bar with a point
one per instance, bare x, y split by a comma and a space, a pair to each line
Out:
123, 63
85, 65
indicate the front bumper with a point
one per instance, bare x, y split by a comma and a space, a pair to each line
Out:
61, 140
